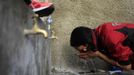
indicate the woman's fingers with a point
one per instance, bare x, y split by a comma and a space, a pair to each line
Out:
83, 55
87, 54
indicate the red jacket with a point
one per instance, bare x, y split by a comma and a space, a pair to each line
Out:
110, 39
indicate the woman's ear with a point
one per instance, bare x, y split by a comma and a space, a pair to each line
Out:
81, 48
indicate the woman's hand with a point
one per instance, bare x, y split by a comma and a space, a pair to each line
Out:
125, 67
88, 54
110, 61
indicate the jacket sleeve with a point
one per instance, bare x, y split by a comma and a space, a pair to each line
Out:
122, 54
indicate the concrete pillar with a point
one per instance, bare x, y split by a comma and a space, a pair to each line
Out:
20, 54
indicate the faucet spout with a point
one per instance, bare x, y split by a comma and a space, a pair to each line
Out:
36, 29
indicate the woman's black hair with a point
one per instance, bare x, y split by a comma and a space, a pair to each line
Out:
80, 36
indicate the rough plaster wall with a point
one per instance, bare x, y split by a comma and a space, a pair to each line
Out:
20, 54
72, 13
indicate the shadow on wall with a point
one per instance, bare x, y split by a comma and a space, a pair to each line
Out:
11, 22
4, 61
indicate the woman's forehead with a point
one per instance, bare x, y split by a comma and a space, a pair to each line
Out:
80, 47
